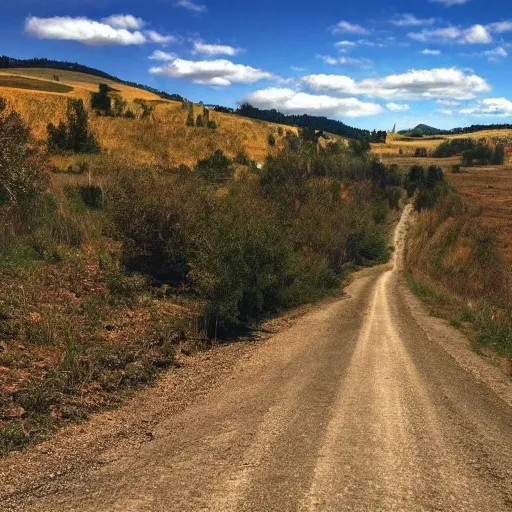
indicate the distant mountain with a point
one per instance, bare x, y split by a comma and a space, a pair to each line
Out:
423, 130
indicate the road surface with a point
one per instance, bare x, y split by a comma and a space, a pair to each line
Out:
359, 406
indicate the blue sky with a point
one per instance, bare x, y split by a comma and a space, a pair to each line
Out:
441, 62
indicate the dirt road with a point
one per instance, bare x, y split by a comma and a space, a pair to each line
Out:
365, 404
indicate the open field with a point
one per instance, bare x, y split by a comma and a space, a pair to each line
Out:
487, 188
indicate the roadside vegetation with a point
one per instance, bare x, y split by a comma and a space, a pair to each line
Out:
109, 275
456, 266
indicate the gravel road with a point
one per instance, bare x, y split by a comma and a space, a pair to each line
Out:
363, 404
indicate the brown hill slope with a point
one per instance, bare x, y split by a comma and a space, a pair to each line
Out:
40, 99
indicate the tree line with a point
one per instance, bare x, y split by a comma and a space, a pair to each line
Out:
307, 121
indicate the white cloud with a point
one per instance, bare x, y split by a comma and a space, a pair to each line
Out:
343, 61
496, 54
124, 21
449, 103
477, 34
445, 111
449, 3
431, 52
409, 20
191, 6
343, 44
298, 69
212, 72
155, 37
443, 83
293, 102
163, 56
500, 27
82, 29
396, 107
214, 49
499, 107
349, 28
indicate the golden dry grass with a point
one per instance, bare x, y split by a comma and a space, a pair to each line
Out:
81, 81
488, 188
395, 142
163, 139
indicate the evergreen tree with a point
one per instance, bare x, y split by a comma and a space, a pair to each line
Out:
74, 135
498, 157
100, 101
190, 116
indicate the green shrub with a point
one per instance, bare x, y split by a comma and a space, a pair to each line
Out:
453, 147
216, 168
74, 135
498, 157
242, 158
481, 154
21, 172
420, 153
414, 179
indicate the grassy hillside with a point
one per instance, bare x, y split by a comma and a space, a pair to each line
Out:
40, 99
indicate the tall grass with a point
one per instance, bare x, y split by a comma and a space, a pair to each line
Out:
456, 264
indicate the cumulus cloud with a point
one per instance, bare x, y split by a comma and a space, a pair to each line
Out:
499, 107
397, 107
212, 72
293, 102
426, 51
155, 37
214, 49
443, 83
191, 6
124, 21
81, 29
477, 34
409, 20
445, 111
345, 27
163, 56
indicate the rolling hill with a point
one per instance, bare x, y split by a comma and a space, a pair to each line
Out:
421, 130
40, 95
